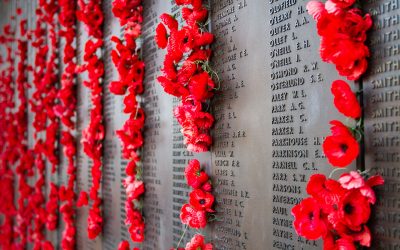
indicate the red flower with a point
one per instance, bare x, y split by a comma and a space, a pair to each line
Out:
349, 25
207, 187
345, 100
161, 36
95, 223
124, 245
131, 168
354, 180
170, 21
137, 232
194, 176
348, 56
332, 242
133, 216
354, 210
133, 188
200, 87
83, 199
343, 36
118, 87
193, 17
201, 200
197, 243
172, 88
326, 191
192, 217
308, 219
340, 148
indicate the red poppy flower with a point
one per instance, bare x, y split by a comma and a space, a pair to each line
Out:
333, 242
170, 21
349, 25
354, 210
308, 219
201, 200
196, 142
341, 148
345, 100
95, 223
172, 88
161, 36
200, 86
194, 176
131, 168
133, 216
192, 17
207, 187
326, 191
124, 245
349, 57
133, 188
137, 232
118, 87
192, 217
354, 180
83, 199
197, 243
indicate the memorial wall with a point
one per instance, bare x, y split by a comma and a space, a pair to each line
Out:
272, 110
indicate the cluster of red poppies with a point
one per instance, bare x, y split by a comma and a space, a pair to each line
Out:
186, 73
91, 15
9, 144
343, 35
45, 79
24, 166
342, 148
66, 110
197, 212
130, 83
337, 211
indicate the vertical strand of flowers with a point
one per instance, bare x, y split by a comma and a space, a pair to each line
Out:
51, 80
37, 200
66, 111
338, 211
130, 67
91, 15
7, 142
187, 75
24, 167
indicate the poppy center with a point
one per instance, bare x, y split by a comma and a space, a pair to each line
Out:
344, 147
311, 215
202, 201
348, 209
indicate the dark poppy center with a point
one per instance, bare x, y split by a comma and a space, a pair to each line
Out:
138, 231
348, 209
311, 215
202, 201
344, 147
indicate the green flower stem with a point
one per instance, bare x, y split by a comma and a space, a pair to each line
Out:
183, 234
